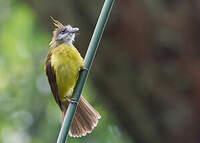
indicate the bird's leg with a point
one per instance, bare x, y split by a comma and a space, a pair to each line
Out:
83, 68
72, 100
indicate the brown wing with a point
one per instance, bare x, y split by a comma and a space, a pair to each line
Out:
52, 78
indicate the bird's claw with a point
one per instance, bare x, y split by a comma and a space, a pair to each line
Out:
72, 100
83, 68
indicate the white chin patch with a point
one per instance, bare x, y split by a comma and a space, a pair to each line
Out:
70, 39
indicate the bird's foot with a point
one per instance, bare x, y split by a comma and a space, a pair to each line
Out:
83, 68
72, 100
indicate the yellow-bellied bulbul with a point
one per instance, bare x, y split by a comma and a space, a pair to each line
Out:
62, 67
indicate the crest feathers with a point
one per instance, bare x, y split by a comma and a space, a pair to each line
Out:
56, 22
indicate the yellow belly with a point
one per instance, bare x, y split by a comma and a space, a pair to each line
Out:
66, 62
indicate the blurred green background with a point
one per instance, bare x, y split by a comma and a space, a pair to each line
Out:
144, 81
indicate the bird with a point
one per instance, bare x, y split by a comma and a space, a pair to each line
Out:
62, 66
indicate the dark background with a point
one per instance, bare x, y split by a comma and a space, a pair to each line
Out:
144, 81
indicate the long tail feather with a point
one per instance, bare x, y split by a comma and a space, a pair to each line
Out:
85, 119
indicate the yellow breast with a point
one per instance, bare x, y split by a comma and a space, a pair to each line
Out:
66, 62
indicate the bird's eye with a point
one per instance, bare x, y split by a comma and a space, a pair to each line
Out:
63, 31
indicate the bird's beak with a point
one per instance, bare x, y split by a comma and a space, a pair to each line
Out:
74, 29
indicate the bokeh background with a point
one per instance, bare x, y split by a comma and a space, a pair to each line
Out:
145, 80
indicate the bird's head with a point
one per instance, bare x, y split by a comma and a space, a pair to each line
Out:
63, 33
